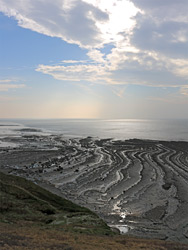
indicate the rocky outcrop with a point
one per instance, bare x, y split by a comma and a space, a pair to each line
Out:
137, 186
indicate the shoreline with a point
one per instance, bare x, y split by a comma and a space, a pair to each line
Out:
118, 129
138, 184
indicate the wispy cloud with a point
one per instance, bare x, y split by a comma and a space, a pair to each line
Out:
74, 61
5, 80
96, 56
119, 90
7, 87
76, 73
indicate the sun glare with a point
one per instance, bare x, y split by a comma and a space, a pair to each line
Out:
120, 20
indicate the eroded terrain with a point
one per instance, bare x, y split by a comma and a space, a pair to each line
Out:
137, 186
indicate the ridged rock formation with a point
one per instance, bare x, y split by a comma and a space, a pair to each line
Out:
137, 186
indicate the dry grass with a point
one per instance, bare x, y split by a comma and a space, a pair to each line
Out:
25, 236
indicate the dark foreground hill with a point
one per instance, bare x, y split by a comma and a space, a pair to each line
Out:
33, 218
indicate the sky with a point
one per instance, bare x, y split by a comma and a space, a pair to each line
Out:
108, 59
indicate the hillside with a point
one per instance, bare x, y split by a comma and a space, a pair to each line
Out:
33, 218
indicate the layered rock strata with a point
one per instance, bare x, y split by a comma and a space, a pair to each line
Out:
137, 186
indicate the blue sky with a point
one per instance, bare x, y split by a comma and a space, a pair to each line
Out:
93, 59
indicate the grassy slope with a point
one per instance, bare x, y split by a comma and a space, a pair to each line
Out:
22, 200
26, 208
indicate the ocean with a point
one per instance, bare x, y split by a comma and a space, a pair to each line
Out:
167, 130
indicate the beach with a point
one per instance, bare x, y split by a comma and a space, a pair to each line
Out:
136, 186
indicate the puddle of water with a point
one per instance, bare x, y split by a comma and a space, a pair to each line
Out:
122, 228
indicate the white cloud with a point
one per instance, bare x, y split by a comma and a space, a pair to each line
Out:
123, 67
93, 73
69, 20
86, 23
149, 41
96, 56
179, 67
73, 61
120, 18
160, 10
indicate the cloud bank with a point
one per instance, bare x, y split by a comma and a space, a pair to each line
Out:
149, 38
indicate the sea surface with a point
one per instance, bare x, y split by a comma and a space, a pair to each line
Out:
122, 129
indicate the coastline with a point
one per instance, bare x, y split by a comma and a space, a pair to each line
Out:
119, 129
135, 184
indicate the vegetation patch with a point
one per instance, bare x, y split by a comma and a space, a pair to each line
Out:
33, 218
22, 200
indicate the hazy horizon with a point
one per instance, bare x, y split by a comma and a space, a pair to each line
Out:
93, 59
